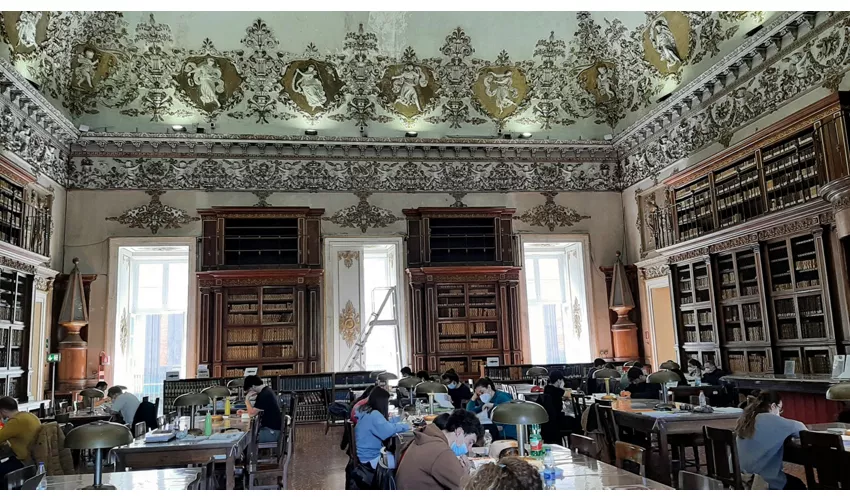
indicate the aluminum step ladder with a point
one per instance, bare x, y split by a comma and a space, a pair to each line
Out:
354, 361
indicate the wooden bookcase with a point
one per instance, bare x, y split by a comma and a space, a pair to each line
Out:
269, 319
253, 237
15, 302
696, 325
460, 236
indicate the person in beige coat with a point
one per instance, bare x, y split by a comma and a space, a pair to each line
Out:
437, 459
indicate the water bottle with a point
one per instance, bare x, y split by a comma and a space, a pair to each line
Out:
697, 381
549, 471
702, 401
487, 438
208, 425
534, 442
43, 484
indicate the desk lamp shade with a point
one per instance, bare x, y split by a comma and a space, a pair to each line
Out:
92, 393
839, 392
217, 391
606, 373
409, 382
670, 365
98, 436
663, 377
537, 371
374, 374
387, 376
192, 399
237, 383
519, 413
429, 389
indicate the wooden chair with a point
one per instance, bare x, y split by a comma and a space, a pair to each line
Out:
140, 429
583, 445
16, 478
691, 481
721, 453
627, 452
279, 468
605, 416
825, 454
579, 404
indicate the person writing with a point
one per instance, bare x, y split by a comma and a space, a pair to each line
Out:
711, 374
761, 434
457, 391
484, 399
553, 400
374, 427
123, 403
437, 458
509, 474
639, 388
598, 363
401, 390
267, 401
20, 429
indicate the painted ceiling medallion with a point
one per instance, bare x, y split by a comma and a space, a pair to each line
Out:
408, 89
313, 86
90, 66
599, 80
209, 81
25, 31
155, 215
500, 89
666, 42
363, 215
550, 214
349, 323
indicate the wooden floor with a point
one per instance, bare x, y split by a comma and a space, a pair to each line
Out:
317, 463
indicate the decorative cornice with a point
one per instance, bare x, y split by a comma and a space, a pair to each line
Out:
655, 271
17, 265
35, 105
740, 241
155, 215
693, 254
340, 175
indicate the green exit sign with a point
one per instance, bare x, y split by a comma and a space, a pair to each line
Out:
54, 357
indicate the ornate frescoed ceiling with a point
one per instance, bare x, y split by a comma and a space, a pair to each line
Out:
562, 75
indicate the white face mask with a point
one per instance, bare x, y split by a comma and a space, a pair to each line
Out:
452, 385
485, 398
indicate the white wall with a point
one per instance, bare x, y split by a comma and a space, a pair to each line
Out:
87, 232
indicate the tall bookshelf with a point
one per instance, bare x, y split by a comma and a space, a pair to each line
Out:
15, 300
694, 209
800, 302
744, 326
696, 325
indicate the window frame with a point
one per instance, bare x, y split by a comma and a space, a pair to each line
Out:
135, 263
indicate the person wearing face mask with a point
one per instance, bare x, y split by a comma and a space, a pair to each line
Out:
639, 388
711, 374
457, 391
553, 400
484, 399
761, 433
20, 429
437, 458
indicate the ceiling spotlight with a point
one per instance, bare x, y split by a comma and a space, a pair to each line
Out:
411, 133
525, 135
311, 131
178, 128
83, 127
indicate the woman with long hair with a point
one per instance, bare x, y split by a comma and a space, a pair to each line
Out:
761, 434
509, 474
374, 427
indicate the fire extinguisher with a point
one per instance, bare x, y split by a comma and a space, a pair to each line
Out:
103, 363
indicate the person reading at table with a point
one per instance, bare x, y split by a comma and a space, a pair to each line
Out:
624, 380
509, 474
122, 403
437, 459
761, 434
598, 364
267, 401
457, 391
711, 374
639, 388
553, 400
374, 426
20, 429
484, 399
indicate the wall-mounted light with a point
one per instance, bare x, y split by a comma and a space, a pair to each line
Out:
200, 130
525, 135
311, 131
411, 133
178, 128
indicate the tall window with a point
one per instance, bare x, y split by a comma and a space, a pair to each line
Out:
381, 350
152, 325
557, 302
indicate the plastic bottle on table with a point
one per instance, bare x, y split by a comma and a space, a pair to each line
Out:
43, 484
702, 400
208, 425
549, 470
488, 439
535, 442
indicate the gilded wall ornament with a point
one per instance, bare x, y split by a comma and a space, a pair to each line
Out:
551, 214
349, 323
25, 31
313, 86
124, 332
577, 328
348, 257
155, 215
363, 215
666, 42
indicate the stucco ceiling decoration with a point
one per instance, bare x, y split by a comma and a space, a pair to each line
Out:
102, 65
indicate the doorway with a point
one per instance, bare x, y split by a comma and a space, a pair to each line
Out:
362, 275
661, 330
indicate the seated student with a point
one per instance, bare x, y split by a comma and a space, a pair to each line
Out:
639, 388
484, 399
761, 435
509, 474
457, 391
267, 401
711, 374
123, 403
406, 372
401, 390
436, 459
423, 376
695, 368
624, 380
360, 401
20, 429
598, 363
553, 400
374, 427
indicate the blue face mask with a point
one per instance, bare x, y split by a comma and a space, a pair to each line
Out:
453, 386
459, 449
